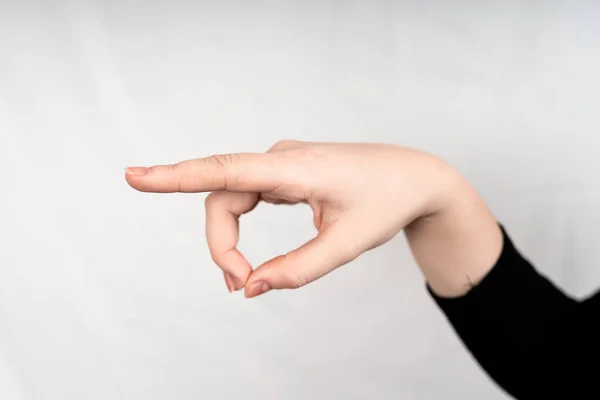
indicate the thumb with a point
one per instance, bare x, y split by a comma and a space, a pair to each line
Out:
332, 248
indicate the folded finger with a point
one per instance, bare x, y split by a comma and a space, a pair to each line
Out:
223, 210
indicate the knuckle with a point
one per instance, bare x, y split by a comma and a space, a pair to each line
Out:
297, 281
223, 163
279, 144
217, 258
225, 160
294, 279
181, 177
219, 160
304, 155
284, 145
213, 199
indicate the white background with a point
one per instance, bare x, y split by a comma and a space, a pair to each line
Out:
107, 293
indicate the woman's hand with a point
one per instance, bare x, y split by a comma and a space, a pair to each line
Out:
361, 196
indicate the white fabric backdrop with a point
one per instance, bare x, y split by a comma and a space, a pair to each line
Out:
107, 293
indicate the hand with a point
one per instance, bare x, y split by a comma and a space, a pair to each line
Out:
361, 196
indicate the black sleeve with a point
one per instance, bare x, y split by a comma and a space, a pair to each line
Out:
531, 338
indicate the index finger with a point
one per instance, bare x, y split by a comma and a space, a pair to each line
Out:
240, 172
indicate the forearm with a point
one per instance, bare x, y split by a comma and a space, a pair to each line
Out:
457, 243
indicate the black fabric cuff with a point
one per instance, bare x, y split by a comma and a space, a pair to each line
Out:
511, 279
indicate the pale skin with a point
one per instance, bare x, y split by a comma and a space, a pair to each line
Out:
361, 195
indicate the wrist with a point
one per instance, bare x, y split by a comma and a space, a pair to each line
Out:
447, 188
458, 241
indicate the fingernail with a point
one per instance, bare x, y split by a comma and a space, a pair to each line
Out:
137, 170
258, 288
